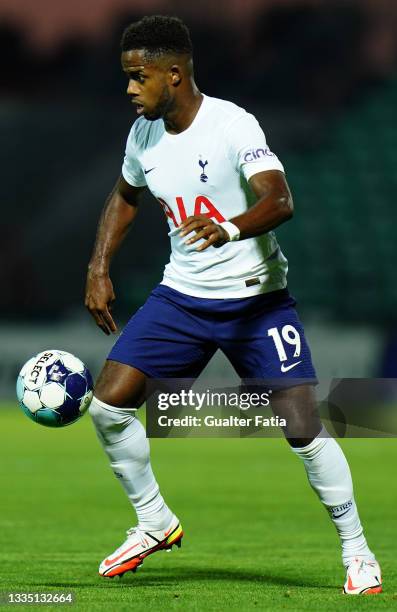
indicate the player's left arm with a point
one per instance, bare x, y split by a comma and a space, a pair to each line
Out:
273, 207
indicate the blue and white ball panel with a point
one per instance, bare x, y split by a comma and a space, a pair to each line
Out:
174, 335
54, 388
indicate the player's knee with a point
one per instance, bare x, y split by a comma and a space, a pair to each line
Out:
117, 396
118, 391
300, 432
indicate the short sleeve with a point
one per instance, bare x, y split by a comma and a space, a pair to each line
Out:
248, 149
132, 169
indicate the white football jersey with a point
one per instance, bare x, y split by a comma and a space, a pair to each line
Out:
204, 170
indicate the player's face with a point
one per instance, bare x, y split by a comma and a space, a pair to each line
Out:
148, 85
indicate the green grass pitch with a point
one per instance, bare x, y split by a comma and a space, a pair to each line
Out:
256, 538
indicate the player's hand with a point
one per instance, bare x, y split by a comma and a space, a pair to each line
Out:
99, 296
213, 234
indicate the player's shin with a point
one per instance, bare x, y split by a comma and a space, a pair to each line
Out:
329, 475
124, 440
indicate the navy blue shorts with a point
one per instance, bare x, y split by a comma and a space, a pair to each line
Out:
174, 335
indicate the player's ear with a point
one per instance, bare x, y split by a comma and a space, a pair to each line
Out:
175, 75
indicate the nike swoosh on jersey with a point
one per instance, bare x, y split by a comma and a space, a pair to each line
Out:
285, 368
150, 169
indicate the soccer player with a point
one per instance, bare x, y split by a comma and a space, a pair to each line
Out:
223, 191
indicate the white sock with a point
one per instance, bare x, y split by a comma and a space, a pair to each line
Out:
329, 475
124, 440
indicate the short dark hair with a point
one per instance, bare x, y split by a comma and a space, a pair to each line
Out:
158, 35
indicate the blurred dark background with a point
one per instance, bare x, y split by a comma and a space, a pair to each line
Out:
320, 76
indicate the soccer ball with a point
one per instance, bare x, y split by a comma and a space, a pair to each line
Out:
54, 388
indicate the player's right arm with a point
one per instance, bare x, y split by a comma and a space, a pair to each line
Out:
117, 216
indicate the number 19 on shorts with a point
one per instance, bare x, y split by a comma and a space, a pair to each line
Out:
289, 335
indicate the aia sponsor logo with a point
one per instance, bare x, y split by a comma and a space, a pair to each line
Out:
202, 206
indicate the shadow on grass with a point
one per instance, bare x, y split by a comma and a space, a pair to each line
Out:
150, 578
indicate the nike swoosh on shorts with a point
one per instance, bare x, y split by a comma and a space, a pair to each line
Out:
285, 368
